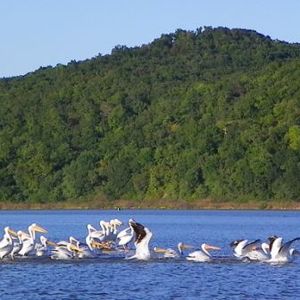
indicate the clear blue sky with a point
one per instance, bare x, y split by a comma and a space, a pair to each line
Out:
38, 33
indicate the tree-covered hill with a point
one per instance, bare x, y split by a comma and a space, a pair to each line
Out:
213, 113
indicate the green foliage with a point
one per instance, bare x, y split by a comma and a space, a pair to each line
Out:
211, 113
294, 137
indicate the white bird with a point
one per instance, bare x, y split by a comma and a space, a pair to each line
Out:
125, 236
254, 251
80, 250
171, 253
28, 240
90, 238
114, 224
7, 243
42, 248
202, 255
281, 252
142, 238
258, 253
103, 234
18, 243
65, 250
242, 248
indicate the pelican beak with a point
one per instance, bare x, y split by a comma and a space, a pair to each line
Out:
184, 246
211, 247
12, 232
159, 250
50, 243
75, 248
40, 229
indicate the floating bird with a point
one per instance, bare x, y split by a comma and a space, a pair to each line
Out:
202, 255
142, 238
125, 236
28, 240
104, 233
65, 250
42, 248
18, 243
241, 248
82, 250
7, 243
114, 224
282, 252
171, 253
93, 235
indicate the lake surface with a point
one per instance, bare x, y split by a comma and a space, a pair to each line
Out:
116, 278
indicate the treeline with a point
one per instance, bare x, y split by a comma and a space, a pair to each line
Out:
211, 113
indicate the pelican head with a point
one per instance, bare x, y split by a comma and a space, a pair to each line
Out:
43, 240
11, 232
272, 238
91, 228
235, 243
116, 222
130, 221
182, 246
73, 241
37, 228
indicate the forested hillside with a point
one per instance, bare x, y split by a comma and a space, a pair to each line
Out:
211, 113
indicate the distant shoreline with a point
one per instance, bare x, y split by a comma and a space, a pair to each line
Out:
159, 204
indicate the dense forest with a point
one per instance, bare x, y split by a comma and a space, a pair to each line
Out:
206, 114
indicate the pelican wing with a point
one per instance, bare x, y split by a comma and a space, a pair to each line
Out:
139, 230
249, 247
238, 250
276, 245
124, 232
284, 249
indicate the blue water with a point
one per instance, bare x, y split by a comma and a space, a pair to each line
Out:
117, 278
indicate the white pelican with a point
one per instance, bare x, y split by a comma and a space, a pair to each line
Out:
28, 241
18, 243
241, 248
171, 253
7, 243
143, 236
82, 251
125, 236
258, 253
202, 255
114, 224
282, 252
103, 234
65, 250
97, 239
42, 249
92, 232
